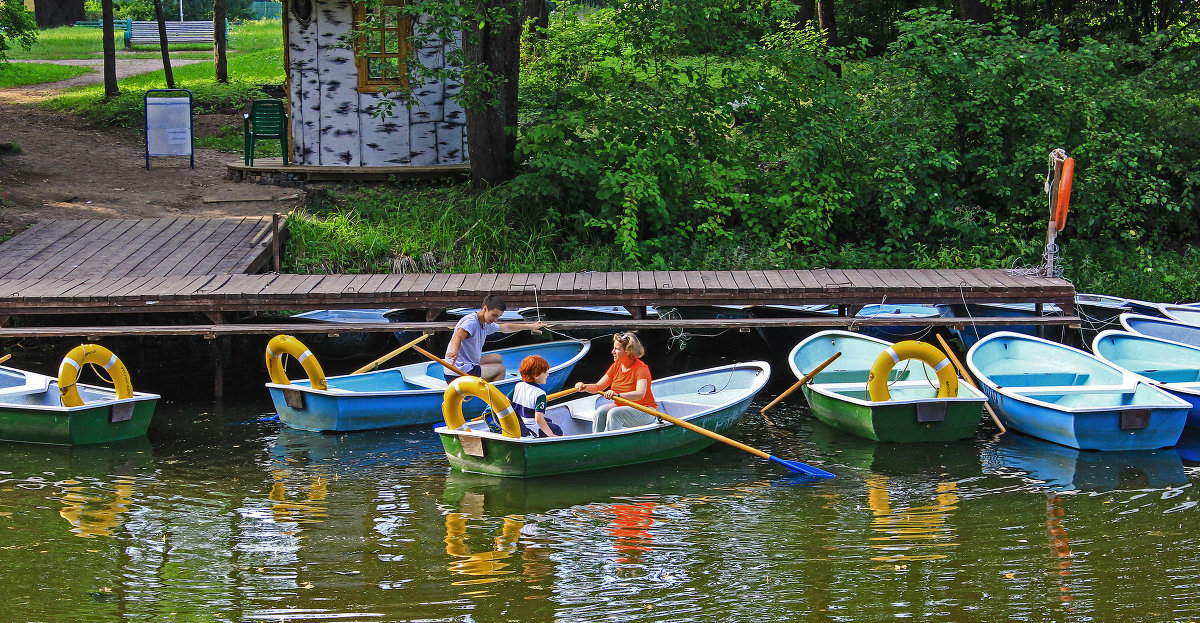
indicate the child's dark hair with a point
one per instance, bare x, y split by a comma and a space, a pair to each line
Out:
493, 301
532, 366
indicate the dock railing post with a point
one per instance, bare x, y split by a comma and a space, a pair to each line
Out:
275, 241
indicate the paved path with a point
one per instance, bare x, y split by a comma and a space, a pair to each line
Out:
125, 67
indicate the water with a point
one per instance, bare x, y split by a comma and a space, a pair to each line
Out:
221, 515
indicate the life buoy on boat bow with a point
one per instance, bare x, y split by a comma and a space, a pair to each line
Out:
281, 345
72, 364
881, 369
465, 386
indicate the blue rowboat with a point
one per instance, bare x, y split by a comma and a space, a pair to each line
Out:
897, 333
1066, 469
403, 396
1181, 313
1062, 394
1172, 366
839, 398
1100, 312
346, 344
970, 334
715, 399
1164, 328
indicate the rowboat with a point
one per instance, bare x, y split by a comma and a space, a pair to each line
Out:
1061, 394
1059, 468
403, 396
1100, 312
897, 312
554, 314
913, 412
1181, 313
714, 399
346, 344
780, 340
31, 410
1172, 366
715, 339
1164, 328
970, 333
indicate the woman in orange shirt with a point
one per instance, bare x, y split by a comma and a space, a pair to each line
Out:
629, 378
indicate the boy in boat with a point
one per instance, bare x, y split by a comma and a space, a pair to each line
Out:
466, 346
529, 399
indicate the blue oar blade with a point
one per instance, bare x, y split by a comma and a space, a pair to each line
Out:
801, 468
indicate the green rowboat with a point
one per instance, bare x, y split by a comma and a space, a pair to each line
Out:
838, 395
31, 411
715, 399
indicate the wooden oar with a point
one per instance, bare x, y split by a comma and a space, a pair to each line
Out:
807, 377
375, 364
441, 361
9, 356
967, 377
793, 466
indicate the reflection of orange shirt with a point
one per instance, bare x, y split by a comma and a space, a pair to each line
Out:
626, 381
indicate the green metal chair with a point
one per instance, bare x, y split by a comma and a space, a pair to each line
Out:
267, 119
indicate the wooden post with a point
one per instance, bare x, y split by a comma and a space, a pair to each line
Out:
275, 240
1051, 232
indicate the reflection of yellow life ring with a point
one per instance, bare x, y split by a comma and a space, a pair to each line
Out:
281, 345
68, 372
877, 383
465, 386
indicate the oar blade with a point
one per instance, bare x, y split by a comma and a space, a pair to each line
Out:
801, 468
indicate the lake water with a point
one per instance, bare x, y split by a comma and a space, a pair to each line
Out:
222, 515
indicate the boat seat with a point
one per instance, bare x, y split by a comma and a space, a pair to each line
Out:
1167, 374
424, 380
1047, 390
679, 408
1038, 379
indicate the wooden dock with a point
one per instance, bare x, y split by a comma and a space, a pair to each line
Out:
115, 249
222, 295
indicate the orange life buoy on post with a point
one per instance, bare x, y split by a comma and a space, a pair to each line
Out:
1064, 193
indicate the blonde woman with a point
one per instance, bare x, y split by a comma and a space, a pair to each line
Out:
628, 377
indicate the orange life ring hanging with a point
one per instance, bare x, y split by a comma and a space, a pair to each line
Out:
1064, 193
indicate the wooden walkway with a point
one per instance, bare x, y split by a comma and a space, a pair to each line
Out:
58, 251
100, 293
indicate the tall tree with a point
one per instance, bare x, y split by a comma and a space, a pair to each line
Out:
493, 55
110, 50
51, 13
162, 43
804, 13
975, 11
829, 25
219, 43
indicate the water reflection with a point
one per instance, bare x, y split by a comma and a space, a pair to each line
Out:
910, 533
1060, 542
95, 486
1066, 469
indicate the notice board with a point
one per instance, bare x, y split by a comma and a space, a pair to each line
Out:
169, 124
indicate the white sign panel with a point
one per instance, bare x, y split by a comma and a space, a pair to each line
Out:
168, 126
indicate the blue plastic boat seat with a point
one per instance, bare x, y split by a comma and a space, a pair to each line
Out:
1036, 379
1171, 375
1041, 390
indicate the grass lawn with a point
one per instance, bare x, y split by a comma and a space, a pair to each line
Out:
18, 74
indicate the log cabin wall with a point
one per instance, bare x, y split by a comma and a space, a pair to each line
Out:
331, 119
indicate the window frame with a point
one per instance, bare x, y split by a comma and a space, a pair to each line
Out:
363, 56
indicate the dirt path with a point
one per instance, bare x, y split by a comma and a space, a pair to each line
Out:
68, 167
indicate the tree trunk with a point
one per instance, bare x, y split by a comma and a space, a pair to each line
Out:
110, 51
219, 44
829, 25
535, 15
805, 13
492, 125
162, 43
975, 11
51, 13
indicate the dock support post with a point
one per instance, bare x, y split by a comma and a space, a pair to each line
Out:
275, 242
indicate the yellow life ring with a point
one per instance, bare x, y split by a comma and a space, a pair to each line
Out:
68, 373
877, 382
281, 345
465, 386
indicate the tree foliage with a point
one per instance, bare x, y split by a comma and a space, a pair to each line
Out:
17, 26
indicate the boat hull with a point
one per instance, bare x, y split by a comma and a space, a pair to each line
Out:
392, 398
473, 451
89, 424
897, 421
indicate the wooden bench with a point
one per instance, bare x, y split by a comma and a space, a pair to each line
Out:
146, 33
